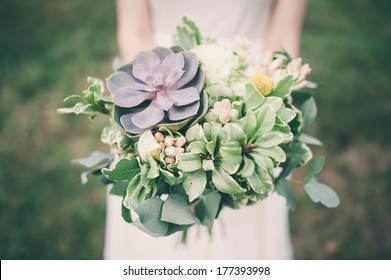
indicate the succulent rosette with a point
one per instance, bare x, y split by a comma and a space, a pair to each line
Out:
160, 87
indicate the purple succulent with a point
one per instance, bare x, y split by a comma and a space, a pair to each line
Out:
160, 87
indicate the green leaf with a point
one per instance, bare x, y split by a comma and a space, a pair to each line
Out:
262, 161
125, 169
194, 29
194, 183
170, 178
272, 101
197, 147
119, 188
284, 188
93, 159
195, 133
131, 200
141, 227
269, 140
208, 164
77, 98
322, 193
309, 110
211, 146
275, 153
260, 181
288, 167
310, 140
247, 169
286, 114
225, 183
207, 208
250, 123
266, 118
153, 170
234, 132
231, 156
252, 98
314, 167
125, 212
284, 87
176, 210
149, 213
189, 162
299, 151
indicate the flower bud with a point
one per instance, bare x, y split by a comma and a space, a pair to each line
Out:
170, 151
180, 142
159, 137
162, 146
180, 151
233, 115
169, 141
169, 160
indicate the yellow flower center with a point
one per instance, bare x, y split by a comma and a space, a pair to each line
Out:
262, 83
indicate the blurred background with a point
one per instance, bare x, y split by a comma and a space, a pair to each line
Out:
48, 48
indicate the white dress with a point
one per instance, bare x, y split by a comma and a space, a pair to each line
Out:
260, 231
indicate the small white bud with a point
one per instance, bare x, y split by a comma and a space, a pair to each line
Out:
170, 151
169, 160
169, 141
180, 142
233, 115
159, 137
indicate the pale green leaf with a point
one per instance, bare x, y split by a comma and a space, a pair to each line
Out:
194, 183
225, 183
299, 151
197, 147
266, 118
208, 165
189, 162
93, 159
153, 169
322, 193
247, 169
195, 133
250, 123
269, 140
260, 181
262, 161
252, 98
275, 153
310, 140
149, 213
286, 114
170, 178
234, 132
314, 167
231, 156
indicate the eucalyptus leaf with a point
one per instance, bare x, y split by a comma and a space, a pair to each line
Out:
322, 193
176, 210
315, 165
149, 213
207, 208
93, 159
194, 183
310, 140
284, 188
125, 169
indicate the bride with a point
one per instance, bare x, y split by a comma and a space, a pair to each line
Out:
260, 231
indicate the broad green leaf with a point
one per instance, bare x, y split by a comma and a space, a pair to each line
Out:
252, 98
131, 200
225, 183
272, 101
269, 140
275, 153
231, 156
141, 227
288, 167
170, 178
322, 193
314, 167
176, 210
194, 183
189, 162
119, 188
283, 88
207, 208
149, 213
197, 147
309, 110
211, 146
284, 188
284, 129
93, 159
125, 169
260, 181
173, 228
211, 130
310, 140
247, 169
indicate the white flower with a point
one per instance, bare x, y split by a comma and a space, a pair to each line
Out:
217, 61
148, 146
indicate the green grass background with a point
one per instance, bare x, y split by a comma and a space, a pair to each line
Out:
48, 48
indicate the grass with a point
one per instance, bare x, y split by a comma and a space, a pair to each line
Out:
49, 47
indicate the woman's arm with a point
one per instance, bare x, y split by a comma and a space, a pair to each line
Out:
134, 28
285, 26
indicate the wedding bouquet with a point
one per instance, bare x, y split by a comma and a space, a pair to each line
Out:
200, 126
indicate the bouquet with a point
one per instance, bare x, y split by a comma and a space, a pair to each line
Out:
200, 126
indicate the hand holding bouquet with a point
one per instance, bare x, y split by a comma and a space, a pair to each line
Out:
198, 127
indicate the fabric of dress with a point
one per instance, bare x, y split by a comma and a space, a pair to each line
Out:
260, 231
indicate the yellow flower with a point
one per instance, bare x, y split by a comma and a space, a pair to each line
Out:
262, 83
